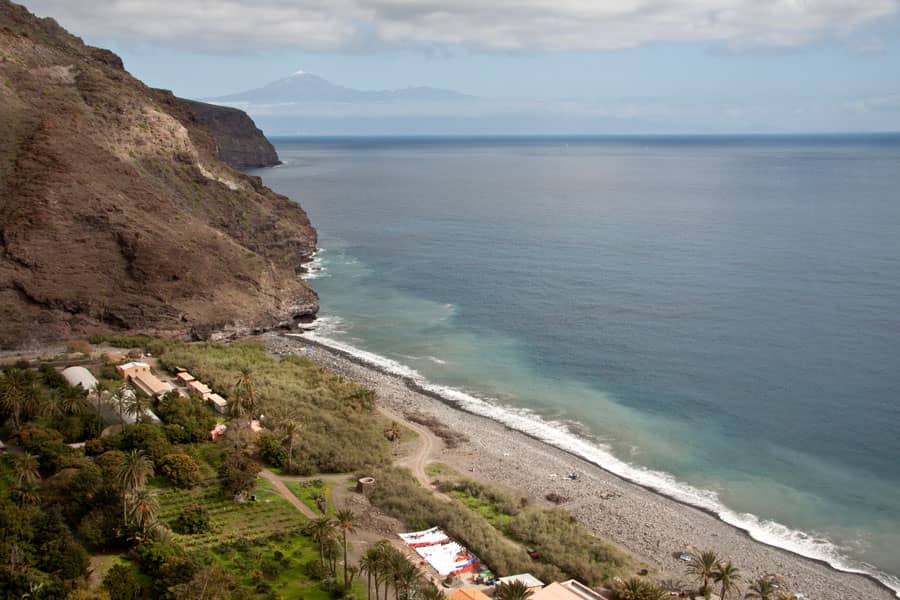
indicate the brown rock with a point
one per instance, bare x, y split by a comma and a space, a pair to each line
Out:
116, 212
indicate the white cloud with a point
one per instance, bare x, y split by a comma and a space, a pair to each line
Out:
484, 24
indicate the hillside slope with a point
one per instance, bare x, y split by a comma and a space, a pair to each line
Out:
116, 212
240, 142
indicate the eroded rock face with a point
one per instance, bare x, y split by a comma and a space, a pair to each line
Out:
240, 142
116, 212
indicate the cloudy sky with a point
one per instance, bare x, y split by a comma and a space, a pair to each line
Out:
668, 65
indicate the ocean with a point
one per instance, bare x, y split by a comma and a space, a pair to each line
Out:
717, 318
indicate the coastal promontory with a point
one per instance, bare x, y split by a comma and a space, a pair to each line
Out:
119, 210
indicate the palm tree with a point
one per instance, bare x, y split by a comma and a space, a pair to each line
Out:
72, 401
632, 589
703, 567
320, 530
368, 564
429, 591
136, 406
290, 429
144, 506
345, 522
406, 578
514, 590
18, 394
762, 588
26, 469
121, 399
132, 476
727, 576
244, 398
26, 493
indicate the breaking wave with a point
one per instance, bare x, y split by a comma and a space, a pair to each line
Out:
561, 436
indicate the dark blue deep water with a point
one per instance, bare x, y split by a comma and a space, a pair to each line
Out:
721, 314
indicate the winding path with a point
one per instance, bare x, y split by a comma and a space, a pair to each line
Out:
282, 489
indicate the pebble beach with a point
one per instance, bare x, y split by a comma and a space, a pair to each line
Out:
653, 528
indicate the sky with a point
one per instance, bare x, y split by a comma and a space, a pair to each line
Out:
593, 66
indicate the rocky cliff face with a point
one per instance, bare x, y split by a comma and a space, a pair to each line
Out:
240, 142
116, 212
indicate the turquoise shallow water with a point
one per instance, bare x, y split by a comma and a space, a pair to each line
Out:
714, 317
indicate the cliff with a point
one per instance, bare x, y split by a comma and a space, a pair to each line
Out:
240, 142
116, 212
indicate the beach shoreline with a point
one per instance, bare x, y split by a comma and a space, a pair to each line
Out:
651, 526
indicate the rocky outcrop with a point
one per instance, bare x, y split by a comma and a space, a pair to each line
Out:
239, 141
116, 212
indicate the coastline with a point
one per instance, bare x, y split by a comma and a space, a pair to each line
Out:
651, 526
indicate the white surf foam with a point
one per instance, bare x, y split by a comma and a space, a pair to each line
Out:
315, 268
560, 436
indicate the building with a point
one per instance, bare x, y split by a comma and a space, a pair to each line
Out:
184, 377
567, 590
469, 594
531, 582
80, 377
130, 368
219, 403
198, 388
151, 385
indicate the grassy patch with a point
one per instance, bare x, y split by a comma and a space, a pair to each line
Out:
439, 470
307, 491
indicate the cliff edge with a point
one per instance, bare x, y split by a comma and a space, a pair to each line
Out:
116, 212
239, 141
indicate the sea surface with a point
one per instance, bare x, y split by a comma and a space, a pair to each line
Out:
715, 317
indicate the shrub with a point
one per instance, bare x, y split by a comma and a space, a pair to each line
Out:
238, 473
181, 470
79, 346
271, 450
122, 583
316, 570
193, 519
149, 438
48, 446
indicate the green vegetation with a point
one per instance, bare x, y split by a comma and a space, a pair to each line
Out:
314, 493
339, 430
228, 520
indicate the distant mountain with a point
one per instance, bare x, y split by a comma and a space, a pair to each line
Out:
301, 88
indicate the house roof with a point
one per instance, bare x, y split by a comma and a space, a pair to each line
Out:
80, 377
469, 594
527, 578
134, 364
567, 590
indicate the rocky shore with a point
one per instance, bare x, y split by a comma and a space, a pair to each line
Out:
653, 528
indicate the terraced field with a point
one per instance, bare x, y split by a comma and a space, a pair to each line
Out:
253, 521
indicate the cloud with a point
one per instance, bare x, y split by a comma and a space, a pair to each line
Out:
500, 25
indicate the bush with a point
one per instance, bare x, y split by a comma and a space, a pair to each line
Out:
122, 584
181, 470
238, 473
271, 450
193, 519
149, 438
79, 346
48, 446
187, 413
316, 570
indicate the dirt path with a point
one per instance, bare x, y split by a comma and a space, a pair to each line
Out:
418, 460
282, 489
